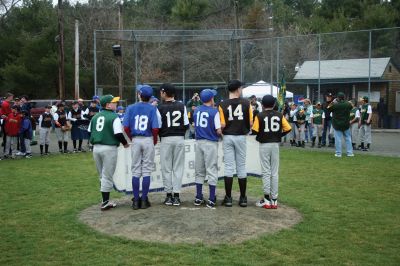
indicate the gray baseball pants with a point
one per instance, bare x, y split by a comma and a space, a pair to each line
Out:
105, 157
172, 155
365, 134
354, 132
11, 143
44, 134
234, 148
269, 159
206, 162
142, 150
61, 135
300, 132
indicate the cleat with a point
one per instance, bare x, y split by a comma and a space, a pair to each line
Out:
60, 151
198, 202
274, 204
168, 201
176, 201
28, 156
338, 155
145, 204
350, 155
264, 203
108, 205
227, 201
210, 204
243, 201
136, 203
20, 153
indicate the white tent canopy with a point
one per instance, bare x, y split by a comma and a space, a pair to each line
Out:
262, 88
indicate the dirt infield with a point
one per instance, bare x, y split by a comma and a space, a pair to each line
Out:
188, 223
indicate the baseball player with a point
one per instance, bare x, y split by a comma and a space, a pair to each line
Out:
317, 123
270, 126
60, 120
300, 120
45, 123
365, 124
354, 119
174, 123
207, 131
292, 114
141, 123
236, 117
106, 135
75, 115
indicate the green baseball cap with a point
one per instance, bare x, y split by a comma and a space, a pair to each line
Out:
108, 99
365, 98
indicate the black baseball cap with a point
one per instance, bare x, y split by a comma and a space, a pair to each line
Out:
268, 101
168, 88
235, 84
329, 94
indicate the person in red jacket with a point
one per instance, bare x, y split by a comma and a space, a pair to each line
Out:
5, 110
12, 127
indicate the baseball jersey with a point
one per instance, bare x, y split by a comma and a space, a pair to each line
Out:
236, 115
75, 116
141, 118
60, 117
174, 119
103, 127
45, 120
317, 115
300, 117
354, 113
206, 122
269, 125
366, 109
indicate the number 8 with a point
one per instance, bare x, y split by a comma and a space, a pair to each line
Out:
100, 123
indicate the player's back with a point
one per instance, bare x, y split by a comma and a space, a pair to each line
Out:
205, 122
141, 118
174, 119
102, 128
269, 126
237, 115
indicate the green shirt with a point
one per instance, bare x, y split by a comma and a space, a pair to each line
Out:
301, 118
341, 115
364, 113
317, 116
101, 128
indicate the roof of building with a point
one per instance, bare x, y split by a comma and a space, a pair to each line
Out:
339, 70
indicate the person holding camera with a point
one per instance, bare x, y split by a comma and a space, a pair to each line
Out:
191, 106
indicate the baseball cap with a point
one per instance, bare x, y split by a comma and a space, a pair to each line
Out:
234, 84
365, 98
318, 103
146, 91
96, 97
168, 88
340, 95
268, 100
119, 108
108, 99
207, 94
154, 99
75, 102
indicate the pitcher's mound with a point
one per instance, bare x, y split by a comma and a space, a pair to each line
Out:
188, 223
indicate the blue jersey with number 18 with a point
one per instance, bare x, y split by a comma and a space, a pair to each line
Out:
141, 118
206, 121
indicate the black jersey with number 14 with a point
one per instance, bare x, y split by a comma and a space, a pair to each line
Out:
236, 114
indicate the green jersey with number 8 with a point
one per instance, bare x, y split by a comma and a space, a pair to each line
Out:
101, 128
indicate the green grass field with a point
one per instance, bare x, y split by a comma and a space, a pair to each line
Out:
350, 209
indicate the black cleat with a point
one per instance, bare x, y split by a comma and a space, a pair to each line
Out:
136, 204
168, 201
176, 201
227, 202
243, 201
107, 205
145, 204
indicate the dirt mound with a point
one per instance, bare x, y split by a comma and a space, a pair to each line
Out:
188, 223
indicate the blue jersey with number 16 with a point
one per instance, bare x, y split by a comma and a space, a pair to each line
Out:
206, 122
141, 118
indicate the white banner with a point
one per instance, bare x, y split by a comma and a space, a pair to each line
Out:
123, 177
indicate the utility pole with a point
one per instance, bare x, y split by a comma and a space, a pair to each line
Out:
238, 68
76, 59
120, 61
61, 77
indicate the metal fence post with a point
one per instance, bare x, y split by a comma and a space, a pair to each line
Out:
94, 63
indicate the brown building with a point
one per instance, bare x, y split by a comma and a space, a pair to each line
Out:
352, 77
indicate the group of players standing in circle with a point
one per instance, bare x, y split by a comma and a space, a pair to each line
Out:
143, 123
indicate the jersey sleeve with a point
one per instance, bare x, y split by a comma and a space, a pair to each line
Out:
127, 117
117, 126
369, 111
185, 117
221, 115
55, 116
250, 114
311, 114
155, 119
217, 121
357, 114
323, 115
159, 118
256, 125
89, 127
285, 125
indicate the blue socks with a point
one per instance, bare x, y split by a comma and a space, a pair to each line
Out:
212, 193
145, 187
199, 191
135, 186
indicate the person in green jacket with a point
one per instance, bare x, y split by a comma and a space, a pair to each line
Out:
341, 124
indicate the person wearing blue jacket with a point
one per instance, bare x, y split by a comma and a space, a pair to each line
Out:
26, 133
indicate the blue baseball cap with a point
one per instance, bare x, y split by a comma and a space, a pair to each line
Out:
119, 108
96, 98
207, 94
146, 91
